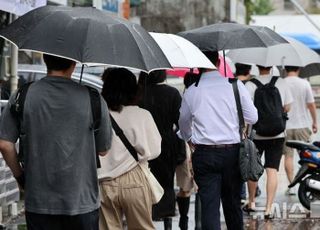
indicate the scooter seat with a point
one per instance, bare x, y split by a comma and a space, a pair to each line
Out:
302, 145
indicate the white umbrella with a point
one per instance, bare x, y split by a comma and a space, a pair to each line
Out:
293, 53
180, 52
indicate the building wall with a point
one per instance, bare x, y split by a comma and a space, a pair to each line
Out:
172, 16
286, 5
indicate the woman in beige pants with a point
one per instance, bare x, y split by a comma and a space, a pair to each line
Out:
125, 191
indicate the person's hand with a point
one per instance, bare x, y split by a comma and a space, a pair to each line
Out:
314, 127
191, 146
21, 181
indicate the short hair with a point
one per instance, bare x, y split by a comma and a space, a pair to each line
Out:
119, 88
260, 67
189, 79
242, 69
57, 63
213, 56
156, 76
290, 68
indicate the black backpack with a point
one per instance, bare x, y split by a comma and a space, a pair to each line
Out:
271, 116
17, 110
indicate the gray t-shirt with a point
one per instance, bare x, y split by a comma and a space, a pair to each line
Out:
59, 146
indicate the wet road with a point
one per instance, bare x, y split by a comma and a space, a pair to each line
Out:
289, 213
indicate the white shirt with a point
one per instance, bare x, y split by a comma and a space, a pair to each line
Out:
208, 113
140, 129
299, 116
284, 91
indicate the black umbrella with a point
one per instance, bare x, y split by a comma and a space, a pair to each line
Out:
86, 35
222, 36
310, 70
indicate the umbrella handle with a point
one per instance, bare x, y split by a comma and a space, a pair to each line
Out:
82, 67
282, 67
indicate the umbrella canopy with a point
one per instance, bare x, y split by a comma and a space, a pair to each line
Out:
310, 70
293, 53
180, 52
222, 36
86, 35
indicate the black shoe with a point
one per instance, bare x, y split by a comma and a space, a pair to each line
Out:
268, 216
248, 210
167, 221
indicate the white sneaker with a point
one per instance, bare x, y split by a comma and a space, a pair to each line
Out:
291, 192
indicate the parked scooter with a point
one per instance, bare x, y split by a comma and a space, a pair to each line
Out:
309, 173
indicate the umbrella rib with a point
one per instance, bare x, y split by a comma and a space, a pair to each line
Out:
85, 39
179, 48
126, 26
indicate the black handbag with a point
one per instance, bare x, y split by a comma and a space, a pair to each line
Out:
250, 164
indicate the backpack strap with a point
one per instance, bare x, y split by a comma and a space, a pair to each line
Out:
273, 81
96, 114
17, 107
95, 107
16, 110
256, 82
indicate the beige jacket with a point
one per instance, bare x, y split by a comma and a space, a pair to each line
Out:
140, 129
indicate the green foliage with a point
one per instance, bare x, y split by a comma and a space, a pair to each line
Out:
259, 7
249, 9
263, 7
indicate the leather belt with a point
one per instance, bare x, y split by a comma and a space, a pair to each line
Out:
222, 146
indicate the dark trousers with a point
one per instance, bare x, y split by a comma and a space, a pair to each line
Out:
87, 221
217, 174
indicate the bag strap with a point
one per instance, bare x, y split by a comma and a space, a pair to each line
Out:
256, 82
124, 139
16, 110
96, 114
17, 107
273, 81
239, 108
95, 107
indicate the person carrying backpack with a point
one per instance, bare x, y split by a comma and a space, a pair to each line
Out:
60, 143
272, 99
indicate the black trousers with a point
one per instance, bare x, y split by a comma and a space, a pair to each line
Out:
86, 221
217, 174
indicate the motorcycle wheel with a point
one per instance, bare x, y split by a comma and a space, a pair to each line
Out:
306, 195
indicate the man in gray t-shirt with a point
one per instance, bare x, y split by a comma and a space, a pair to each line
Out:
59, 146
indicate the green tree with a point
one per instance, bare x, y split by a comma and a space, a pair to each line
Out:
249, 9
262, 7
258, 7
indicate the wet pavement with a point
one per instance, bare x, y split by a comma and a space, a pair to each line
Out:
289, 213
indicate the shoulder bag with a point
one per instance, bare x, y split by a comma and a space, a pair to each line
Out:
250, 164
156, 189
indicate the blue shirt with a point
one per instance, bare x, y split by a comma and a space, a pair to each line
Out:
208, 113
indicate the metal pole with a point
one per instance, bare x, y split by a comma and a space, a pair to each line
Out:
297, 5
14, 64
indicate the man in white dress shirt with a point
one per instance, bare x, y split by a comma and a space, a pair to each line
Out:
209, 120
